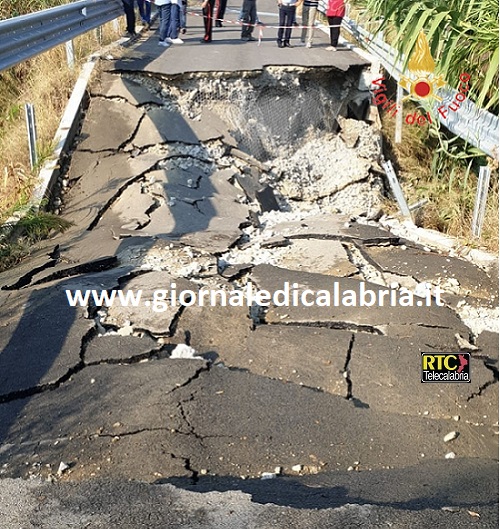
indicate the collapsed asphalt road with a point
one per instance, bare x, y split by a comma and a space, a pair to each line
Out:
289, 416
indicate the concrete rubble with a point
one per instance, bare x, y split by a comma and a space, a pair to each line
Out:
327, 402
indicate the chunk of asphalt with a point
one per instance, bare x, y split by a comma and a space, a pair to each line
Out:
249, 185
266, 199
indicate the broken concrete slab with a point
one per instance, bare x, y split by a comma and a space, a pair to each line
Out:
249, 183
413, 487
335, 227
233, 271
114, 348
101, 416
262, 428
153, 312
386, 373
89, 246
265, 197
132, 207
28, 272
82, 162
112, 85
437, 269
204, 213
96, 457
272, 278
320, 256
208, 127
40, 339
206, 330
100, 185
488, 345
306, 356
121, 119
174, 258
161, 125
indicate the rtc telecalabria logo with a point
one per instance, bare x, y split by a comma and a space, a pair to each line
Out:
422, 83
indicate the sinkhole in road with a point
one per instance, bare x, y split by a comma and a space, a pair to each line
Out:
301, 121
269, 111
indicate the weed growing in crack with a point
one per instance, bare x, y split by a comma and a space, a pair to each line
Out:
30, 230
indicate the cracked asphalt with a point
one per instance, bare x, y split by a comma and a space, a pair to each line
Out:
325, 403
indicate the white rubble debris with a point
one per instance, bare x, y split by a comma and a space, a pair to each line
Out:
479, 319
450, 436
62, 468
185, 351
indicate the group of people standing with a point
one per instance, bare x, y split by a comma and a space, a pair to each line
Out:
333, 9
172, 15
144, 11
173, 19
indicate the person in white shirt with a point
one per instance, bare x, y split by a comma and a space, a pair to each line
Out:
169, 22
175, 23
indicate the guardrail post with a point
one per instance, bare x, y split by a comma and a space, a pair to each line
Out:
32, 139
98, 34
399, 115
481, 195
70, 54
396, 189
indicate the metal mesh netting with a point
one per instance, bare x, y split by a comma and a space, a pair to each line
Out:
267, 113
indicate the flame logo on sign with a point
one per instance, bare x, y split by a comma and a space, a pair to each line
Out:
422, 83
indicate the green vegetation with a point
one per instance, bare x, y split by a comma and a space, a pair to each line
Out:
463, 37
46, 82
30, 230
13, 8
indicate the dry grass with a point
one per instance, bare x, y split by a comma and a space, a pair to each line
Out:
450, 190
45, 81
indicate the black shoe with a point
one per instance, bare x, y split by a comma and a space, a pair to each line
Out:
281, 44
251, 39
218, 24
183, 31
205, 41
287, 45
130, 35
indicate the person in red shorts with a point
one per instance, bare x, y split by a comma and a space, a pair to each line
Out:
335, 13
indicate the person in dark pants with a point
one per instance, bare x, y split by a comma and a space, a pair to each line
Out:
145, 11
128, 7
335, 13
208, 18
249, 10
221, 11
287, 10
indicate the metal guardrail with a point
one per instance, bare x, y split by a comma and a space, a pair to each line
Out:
25, 36
472, 123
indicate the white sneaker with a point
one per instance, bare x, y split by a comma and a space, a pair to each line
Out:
331, 48
163, 43
169, 40
308, 45
177, 41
